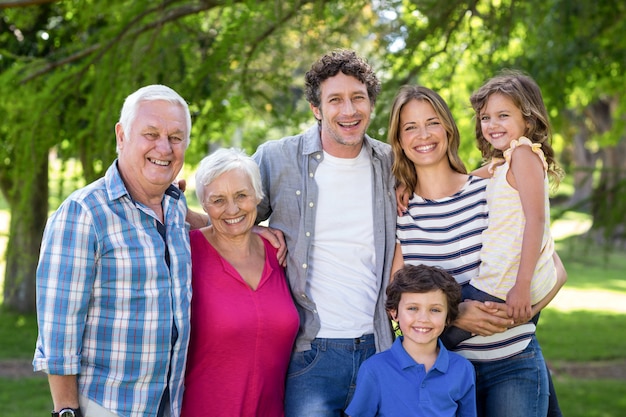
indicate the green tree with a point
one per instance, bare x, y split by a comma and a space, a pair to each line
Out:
67, 65
574, 49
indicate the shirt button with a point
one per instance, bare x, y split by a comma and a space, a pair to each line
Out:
298, 192
305, 266
311, 204
318, 156
311, 174
308, 234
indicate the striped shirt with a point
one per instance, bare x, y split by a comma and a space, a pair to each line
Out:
113, 297
448, 233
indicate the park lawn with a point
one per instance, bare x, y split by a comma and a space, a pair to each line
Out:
582, 335
591, 398
25, 397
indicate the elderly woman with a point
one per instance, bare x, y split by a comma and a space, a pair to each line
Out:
243, 320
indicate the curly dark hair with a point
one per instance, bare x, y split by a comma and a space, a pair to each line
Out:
329, 65
421, 279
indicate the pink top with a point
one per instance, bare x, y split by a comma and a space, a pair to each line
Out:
241, 339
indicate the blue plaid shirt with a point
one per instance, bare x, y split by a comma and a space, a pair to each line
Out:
109, 308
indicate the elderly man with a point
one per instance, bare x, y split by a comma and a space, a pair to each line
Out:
113, 280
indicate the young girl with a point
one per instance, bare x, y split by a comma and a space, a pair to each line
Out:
418, 376
513, 133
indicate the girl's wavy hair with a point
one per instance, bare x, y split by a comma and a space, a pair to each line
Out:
526, 95
403, 168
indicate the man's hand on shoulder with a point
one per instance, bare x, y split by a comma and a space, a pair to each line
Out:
276, 238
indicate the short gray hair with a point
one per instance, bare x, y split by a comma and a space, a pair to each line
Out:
152, 93
225, 160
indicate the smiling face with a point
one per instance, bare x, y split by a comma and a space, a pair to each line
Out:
151, 157
230, 202
501, 121
345, 111
421, 318
423, 137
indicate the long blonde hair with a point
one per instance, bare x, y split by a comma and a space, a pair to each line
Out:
403, 168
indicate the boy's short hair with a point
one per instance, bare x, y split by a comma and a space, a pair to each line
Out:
421, 279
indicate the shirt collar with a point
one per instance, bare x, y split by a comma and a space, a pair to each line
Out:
117, 189
313, 142
406, 361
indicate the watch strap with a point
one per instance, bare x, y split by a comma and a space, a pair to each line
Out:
67, 412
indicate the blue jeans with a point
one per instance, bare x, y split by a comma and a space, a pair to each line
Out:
513, 387
321, 381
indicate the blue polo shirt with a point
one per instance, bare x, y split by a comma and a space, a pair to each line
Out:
391, 383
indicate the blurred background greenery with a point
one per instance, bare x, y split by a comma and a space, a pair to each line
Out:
66, 66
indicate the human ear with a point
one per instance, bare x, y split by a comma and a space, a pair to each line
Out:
119, 135
316, 112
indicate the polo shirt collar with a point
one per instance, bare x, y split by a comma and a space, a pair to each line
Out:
406, 361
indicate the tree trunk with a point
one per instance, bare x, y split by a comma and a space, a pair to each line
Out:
583, 168
609, 201
583, 161
25, 232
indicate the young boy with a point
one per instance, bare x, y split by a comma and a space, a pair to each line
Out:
418, 376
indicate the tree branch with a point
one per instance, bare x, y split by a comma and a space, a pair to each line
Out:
101, 48
264, 35
23, 3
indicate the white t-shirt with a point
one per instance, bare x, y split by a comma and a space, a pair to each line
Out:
343, 281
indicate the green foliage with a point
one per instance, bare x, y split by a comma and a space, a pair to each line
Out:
67, 66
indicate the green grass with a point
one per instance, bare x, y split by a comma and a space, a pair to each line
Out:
565, 336
591, 398
18, 333
25, 397
21, 396
590, 267
582, 336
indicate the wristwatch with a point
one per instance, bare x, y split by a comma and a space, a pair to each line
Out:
68, 412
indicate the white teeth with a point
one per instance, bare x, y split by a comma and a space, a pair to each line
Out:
158, 162
422, 330
234, 221
425, 148
349, 124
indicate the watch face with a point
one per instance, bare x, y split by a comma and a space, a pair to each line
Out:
67, 412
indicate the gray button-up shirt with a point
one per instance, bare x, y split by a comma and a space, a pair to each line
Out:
288, 170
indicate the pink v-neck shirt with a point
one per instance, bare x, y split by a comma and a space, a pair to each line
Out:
241, 339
